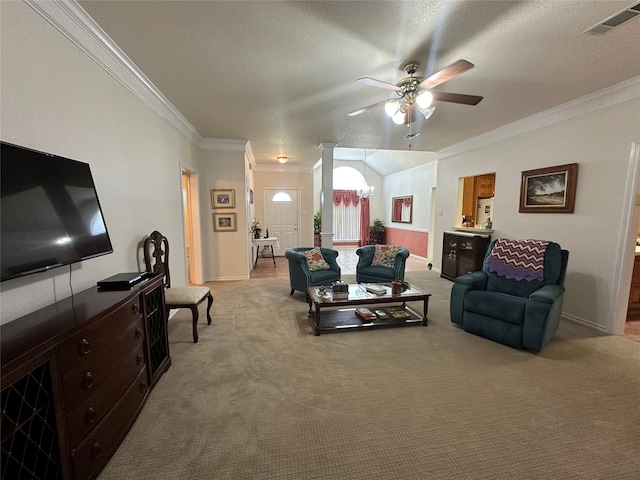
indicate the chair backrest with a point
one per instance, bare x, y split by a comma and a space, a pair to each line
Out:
156, 256
555, 268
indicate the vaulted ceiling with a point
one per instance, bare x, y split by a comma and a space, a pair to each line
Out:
283, 74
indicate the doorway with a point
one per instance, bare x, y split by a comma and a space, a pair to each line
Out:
282, 217
191, 226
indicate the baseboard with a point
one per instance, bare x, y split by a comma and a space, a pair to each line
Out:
586, 323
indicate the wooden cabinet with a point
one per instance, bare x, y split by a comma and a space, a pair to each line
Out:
462, 253
376, 237
92, 359
485, 185
469, 201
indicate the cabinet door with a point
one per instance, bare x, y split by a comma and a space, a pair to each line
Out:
158, 338
450, 256
485, 185
30, 447
469, 202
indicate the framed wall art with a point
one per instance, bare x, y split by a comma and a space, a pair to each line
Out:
549, 190
224, 222
223, 199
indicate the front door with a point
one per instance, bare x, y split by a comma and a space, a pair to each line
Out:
282, 217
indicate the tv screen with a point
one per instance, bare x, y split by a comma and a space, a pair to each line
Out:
50, 213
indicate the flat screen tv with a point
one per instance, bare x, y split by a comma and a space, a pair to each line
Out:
50, 213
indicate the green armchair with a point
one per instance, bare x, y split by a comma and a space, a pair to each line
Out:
305, 272
371, 265
521, 310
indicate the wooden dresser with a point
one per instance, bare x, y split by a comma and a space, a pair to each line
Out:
75, 376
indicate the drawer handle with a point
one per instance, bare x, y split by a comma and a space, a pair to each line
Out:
84, 347
139, 359
87, 381
138, 334
96, 450
90, 415
135, 309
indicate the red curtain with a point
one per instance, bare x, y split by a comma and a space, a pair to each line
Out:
347, 197
364, 221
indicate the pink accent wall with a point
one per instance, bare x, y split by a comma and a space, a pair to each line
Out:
416, 242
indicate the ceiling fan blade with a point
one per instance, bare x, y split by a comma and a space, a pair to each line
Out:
378, 83
447, 73
370, 107
456, 98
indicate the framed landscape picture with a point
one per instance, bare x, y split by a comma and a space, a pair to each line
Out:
224, 222
223, 199
549, 190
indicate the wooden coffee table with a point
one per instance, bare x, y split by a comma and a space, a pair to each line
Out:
328, 316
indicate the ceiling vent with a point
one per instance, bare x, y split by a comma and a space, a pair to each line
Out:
614, 21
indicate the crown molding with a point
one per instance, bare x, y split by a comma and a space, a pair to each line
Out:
293, 169
224, 144
616, 95
69, 18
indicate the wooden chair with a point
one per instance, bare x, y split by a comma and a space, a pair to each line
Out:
156, 259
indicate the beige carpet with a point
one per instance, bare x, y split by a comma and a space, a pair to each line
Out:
261, 397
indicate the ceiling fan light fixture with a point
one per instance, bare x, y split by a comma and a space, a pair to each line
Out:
427, 112
392, 107
424, 99
399, 117
282, 159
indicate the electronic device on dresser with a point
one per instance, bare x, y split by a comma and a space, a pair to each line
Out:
50, 212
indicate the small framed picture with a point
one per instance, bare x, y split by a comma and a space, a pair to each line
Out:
224, 222
549, 190
223, 199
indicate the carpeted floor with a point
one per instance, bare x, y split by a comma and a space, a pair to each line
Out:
261, 397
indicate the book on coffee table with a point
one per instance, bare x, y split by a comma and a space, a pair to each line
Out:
365, 313
376, 289
398, 312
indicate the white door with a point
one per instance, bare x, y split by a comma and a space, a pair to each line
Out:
282, 217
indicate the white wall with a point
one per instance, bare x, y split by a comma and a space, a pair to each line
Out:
597, 132
225, 254
416, 181
56, 99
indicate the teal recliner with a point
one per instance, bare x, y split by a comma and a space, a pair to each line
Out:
302, 275
521, 313
368, 271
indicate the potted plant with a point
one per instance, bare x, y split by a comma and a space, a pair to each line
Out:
377, 225
317, 222
317, 227
376, 234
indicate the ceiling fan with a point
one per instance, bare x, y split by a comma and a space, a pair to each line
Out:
415, 93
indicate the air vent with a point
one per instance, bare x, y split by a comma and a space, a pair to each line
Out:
614, 21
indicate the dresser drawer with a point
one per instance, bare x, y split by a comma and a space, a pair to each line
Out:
94, 374
90, 412
102, 442
91, 341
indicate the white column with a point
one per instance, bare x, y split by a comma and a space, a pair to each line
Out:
326, 203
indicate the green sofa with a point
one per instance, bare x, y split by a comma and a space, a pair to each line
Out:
523, 314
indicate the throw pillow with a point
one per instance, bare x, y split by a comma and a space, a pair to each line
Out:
385, 256
315, 260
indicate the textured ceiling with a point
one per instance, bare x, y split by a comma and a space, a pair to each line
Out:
282, 74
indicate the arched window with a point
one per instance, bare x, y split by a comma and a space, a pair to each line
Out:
281, 197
